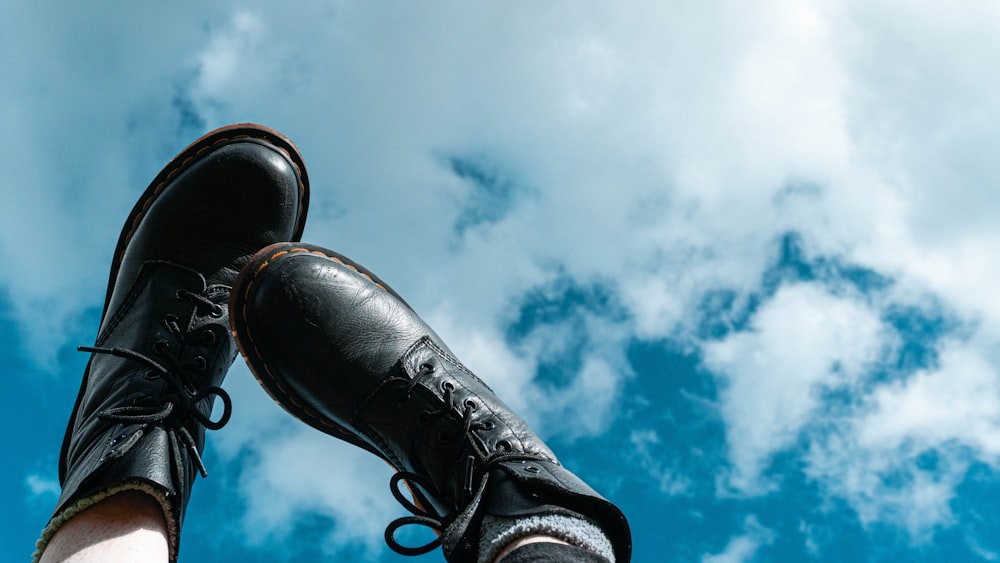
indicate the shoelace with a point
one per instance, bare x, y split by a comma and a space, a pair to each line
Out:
174, 409
416, 483
425, 517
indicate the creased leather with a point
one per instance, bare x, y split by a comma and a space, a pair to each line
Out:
98, 452
230, 193
337, 348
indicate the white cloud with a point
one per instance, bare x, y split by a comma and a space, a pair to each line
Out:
801, 343
89, 117
902, 455
289, 472
666, 479
580, 406
958, 401
42, 485
658, 143
743, 547
219, 62
307, 473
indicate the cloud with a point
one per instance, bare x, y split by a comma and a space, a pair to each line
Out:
91, 123
40, 485
309, 475
800, 344
901, 457
668, 150
289, 475
743, 547
667, 480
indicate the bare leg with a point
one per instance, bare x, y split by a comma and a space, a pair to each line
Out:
125, 528
525, 541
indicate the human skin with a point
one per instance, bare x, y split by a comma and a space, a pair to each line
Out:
124, 528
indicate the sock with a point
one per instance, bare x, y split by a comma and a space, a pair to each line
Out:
497, 532
548, 552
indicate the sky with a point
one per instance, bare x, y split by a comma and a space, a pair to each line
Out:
733, 261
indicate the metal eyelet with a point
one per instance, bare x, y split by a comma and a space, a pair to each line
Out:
216, 311
200, 363
471, 405
504, 445
161, 346
170, 321
209, 337
447, 386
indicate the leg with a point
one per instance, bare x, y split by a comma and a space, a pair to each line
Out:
124, 528
525, 541
340, 350
547, 551
164, 346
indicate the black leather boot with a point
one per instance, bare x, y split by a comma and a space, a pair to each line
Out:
340, 350
164, 344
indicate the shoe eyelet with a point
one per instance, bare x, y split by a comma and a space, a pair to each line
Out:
200, 363
209, 337
532, 469
447, 386
180, 293
170, 322
425, 369
488, 425
150, 375
161, 347
216, 311
504, 445
471, 405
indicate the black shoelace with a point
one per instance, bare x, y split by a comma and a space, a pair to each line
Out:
185, 391
425, 516
421, 512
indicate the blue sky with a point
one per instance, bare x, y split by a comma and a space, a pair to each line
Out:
734, 261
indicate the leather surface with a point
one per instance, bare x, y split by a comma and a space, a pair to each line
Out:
233, 191
93, 456
216, 213
336, 347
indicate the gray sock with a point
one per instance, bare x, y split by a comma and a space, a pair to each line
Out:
497, 533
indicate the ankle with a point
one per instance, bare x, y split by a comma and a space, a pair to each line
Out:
525, 540
500, 536
112, 529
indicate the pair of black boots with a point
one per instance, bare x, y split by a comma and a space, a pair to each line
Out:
203, 258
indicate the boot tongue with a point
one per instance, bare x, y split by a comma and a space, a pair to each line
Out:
154, 289
507, 499
500, 497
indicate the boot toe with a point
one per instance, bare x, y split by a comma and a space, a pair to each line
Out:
232, 192
300, 310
